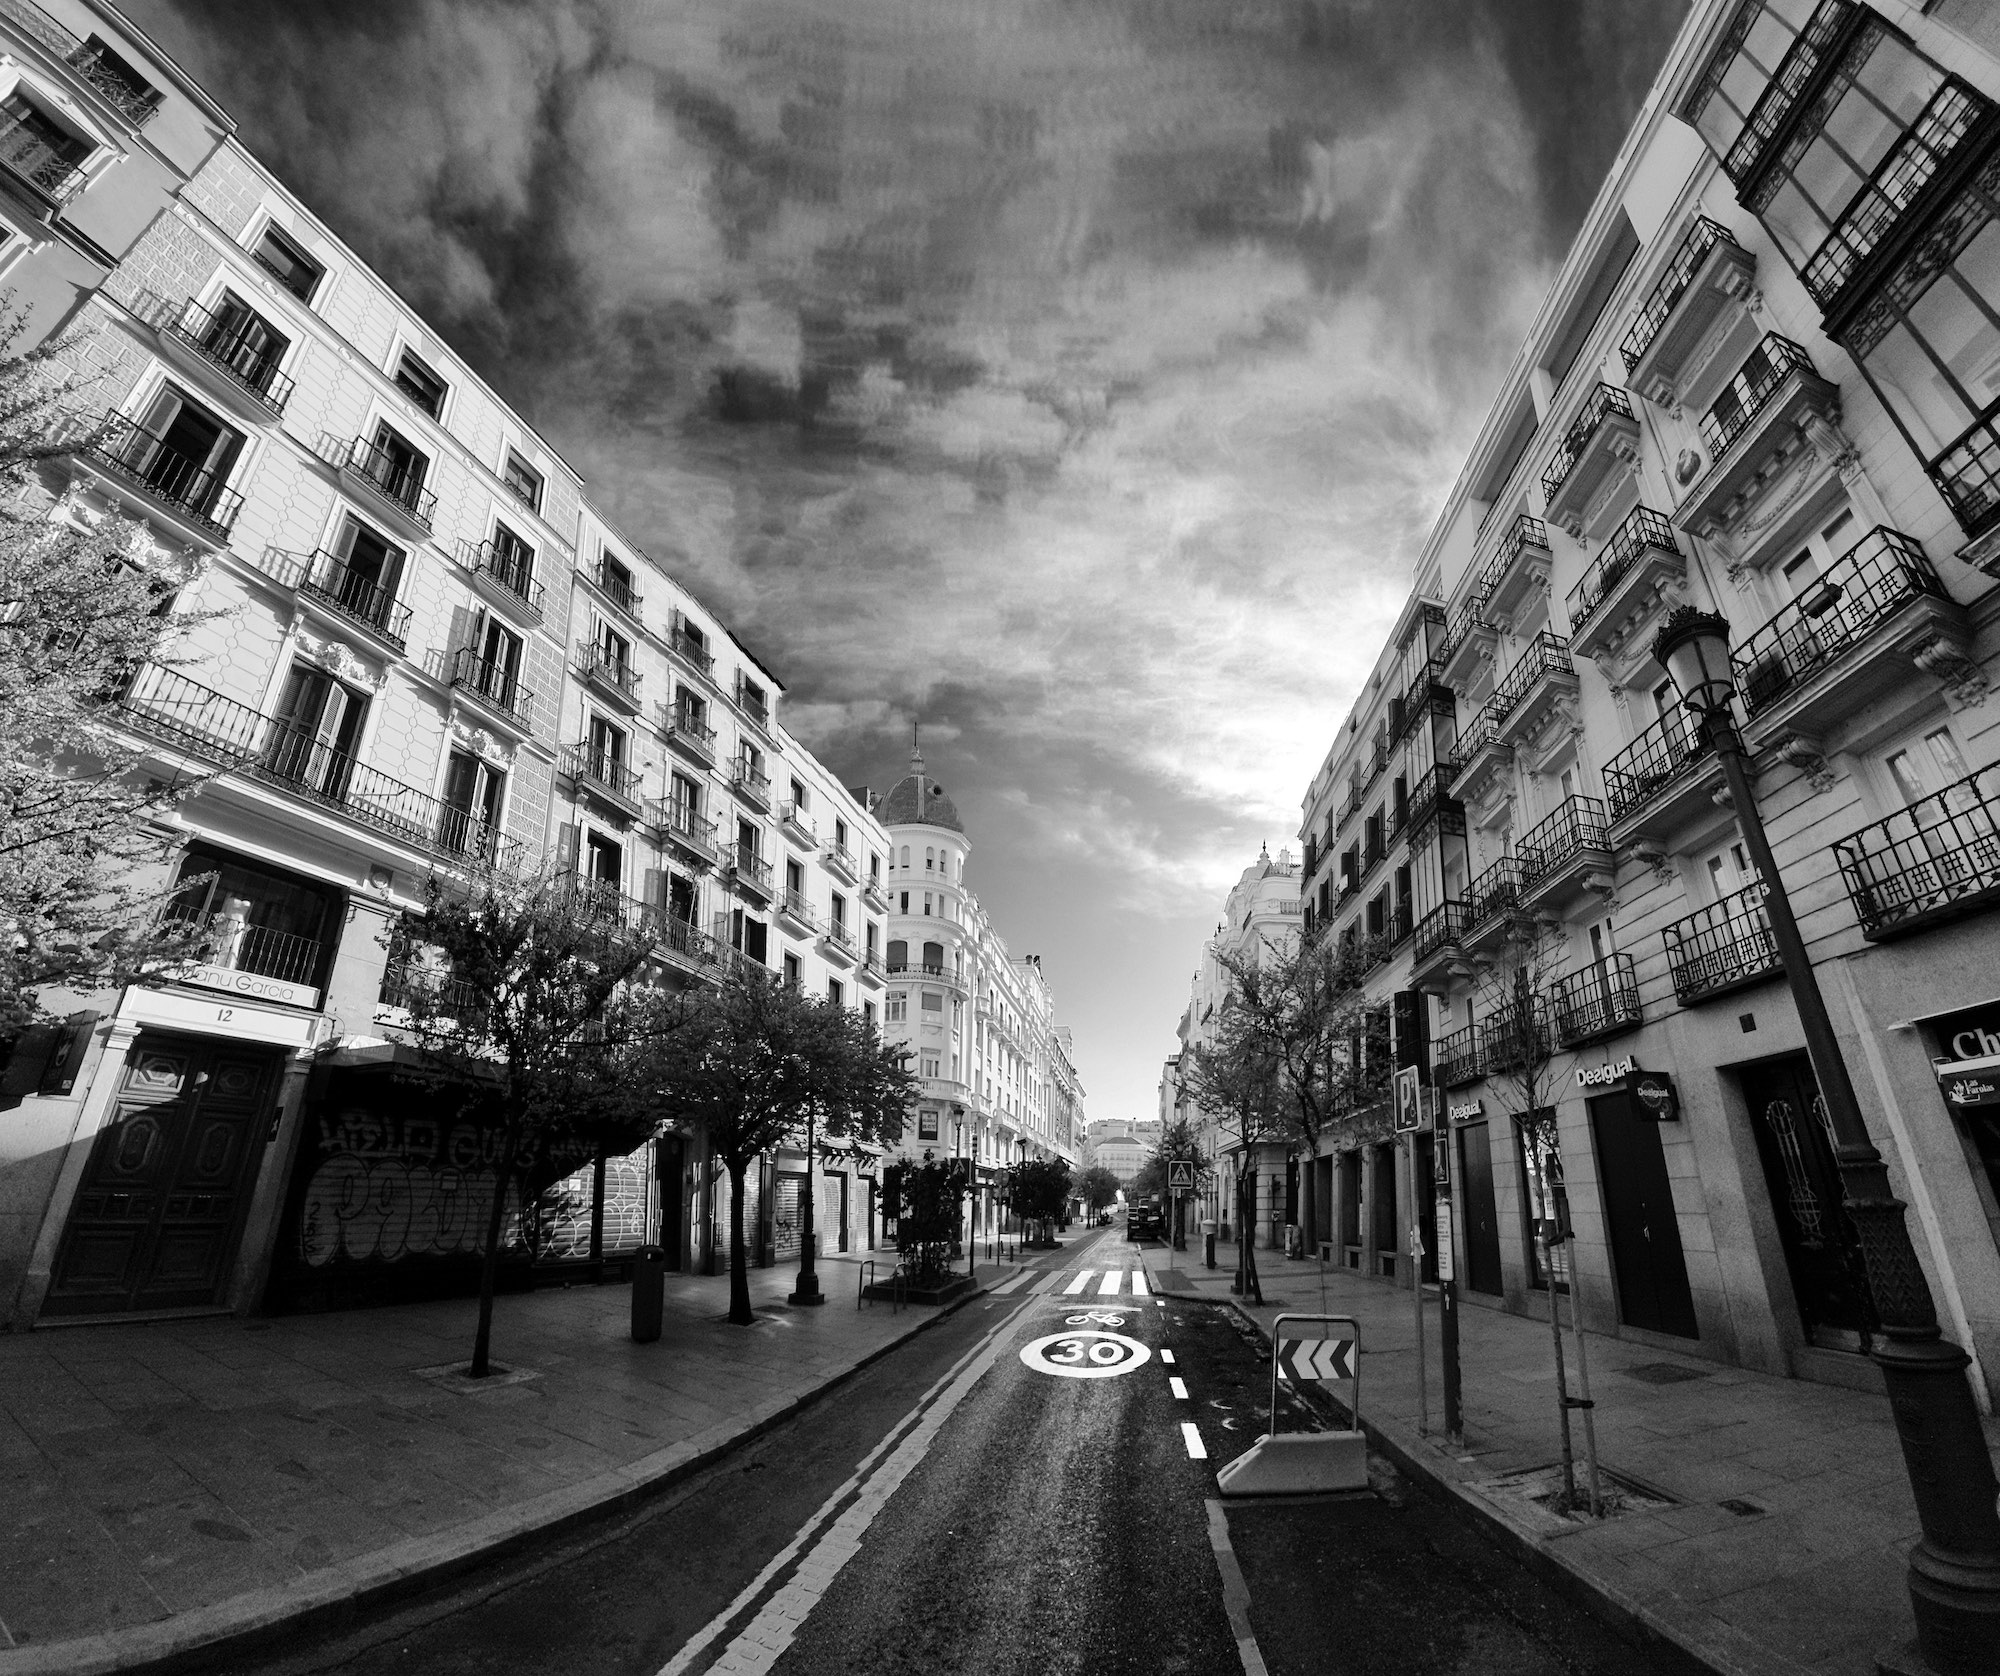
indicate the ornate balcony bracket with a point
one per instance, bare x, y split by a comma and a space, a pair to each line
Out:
1653, 857
1946, 658
1793, 444
1809, 757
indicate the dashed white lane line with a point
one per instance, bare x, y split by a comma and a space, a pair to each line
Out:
1109, 1288
1166, 1355
1077, 1285
1139, 1287
1179, 1388
1191, 1436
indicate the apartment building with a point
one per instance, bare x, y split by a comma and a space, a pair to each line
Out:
427, 654
999, 1076
1261, 919
1764, 383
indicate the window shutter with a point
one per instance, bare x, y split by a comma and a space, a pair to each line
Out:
656, 888
566, 847
461, 633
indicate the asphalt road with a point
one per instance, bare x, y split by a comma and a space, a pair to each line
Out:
954, 1509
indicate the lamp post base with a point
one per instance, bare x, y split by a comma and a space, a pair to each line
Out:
807, 1291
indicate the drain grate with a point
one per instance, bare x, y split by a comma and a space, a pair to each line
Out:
1663, 1373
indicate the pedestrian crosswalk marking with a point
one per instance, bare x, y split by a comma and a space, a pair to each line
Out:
1077, 1285
1013, 1281
1139, 1287
1110, 1286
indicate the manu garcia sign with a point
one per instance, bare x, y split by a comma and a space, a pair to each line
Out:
1652, 1093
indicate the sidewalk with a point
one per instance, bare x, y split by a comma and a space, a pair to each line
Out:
1804, 1572
167, 1483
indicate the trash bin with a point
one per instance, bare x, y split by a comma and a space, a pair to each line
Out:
1208, 1242
649, 1292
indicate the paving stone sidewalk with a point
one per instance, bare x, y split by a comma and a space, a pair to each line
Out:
1806, 1574
163, 1481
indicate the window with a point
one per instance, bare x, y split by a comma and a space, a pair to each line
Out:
933, 957
270, 925
1728, 870
750, 698
38, 147
1761, 36
874, 868
523, 482
868, 1013
930, 860
751, 760
835, 992
840, 913
1927, 766
840, 834
794, 972
473, 789
870, 931
686, 795
899, 1008
184, 453
396, 467
795, 881
934, 1003
420, 383
495, 665
614, 652
112, 76
927, 904
899, 954
615, 579
285, 259
905, 906
604, 860
244, 342
930, 1060
749, 841
906, 855
370, 567
607, 748
316, 732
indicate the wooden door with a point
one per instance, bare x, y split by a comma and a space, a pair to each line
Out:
1482, 1219
158, 1216
1645, 1233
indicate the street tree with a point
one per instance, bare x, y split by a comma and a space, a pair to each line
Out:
518, 987
1098, 1188
1234, 1079
926, 1201
1039, 1191
82, 834
754, 1063
1179, 1143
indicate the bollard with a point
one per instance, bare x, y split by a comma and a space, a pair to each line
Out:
649, 1292
1208, 1243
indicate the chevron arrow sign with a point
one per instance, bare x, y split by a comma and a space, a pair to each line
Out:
1300, 1359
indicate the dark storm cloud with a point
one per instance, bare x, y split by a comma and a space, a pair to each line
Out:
1080, 377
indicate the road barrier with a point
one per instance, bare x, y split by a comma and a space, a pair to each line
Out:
1306, 1348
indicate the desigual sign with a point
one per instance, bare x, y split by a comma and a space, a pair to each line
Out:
1467, 1112
1603, 1076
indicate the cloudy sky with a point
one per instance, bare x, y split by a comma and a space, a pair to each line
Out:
1077, 378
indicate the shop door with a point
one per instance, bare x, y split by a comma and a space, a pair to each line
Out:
1382, 1191
1639, 1215
1821, 1252
669, 1166
157, 1218
836, 1184
786, 1216
1350, 1207
1482, 1220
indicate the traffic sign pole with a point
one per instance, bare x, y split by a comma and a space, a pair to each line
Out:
1454, 1419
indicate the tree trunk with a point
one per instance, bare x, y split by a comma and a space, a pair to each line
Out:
1248, 1286
1562, 1381
489, 1268
739, 1272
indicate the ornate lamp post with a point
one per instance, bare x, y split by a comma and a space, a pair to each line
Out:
1954, 1569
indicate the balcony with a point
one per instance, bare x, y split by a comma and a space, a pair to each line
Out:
836, 943
494, 686
795, 911
1431, 801
686, 829
750, 785
190, 495
1935, 861
754, 710
1817, 44
690, 648
611, 677
601, 775
205, 723
227, 944
681, 945
1518, 571
1467, 634
1426, 697
751, 872
405, 989
133, 101
223, 352
1493, 903
1437, 952
1852, 636
391, 481
1566, 857
615, 584
871, 972
1758, 420
1378, 764
874, 895
1596, 1003
1541, 676
1351, 806
1482, 756
325, 585
1456, 1059
793, 823
1662, 784
1709, 270
1516, 1037
51, 173
1633, 580
928, 973
504, 574
600, 903
687, 733
1603, 437
839, 860
1722, 948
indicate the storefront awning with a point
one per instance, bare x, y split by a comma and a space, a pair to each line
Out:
1969, 1084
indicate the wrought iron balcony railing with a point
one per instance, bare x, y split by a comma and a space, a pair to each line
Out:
1655, 760
1547, 654
393, 476
236, 946
54, 171
1967, 473
1495, 890
1515, 1036
1701, 238
678, 820
1397, 927
617, 586
1351, 804
585, 761
1883, 572
748, 781
1605, 400
1575, 825
143, 459
800, 909
135, 102
493, 681
1441, 927
413, 989
1598, 1001
230, 344
1721, 947
362, 599
751, 868
1456, 1059
1642, 528
692, 651
678, 938
1761, 376
1934, 861
1431, 796
1524, 532
682, 723
513, 567
608, 669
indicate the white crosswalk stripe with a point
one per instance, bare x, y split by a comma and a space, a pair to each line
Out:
1139, 1287
1110, 1287
1078, 1284
1048, 1282
1013, 1282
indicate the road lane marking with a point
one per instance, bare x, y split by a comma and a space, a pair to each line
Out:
1077, 1285
1085, 1353
1013, 1281
1109, 1288
1191, 1436
1139, 1287
1167, 1356
918, 1426
1047, 1283
1235, 1592
1178, 1387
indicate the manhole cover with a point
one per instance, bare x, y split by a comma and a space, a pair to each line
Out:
1663, 1373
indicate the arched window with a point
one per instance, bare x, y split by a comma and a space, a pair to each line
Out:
930, 859
899, 954
933, 957
906, 855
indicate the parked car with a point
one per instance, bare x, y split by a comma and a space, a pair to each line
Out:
1144, 1222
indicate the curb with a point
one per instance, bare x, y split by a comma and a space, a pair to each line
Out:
1631, 1620
195, 1641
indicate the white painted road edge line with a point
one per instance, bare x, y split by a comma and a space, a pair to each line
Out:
1235, 1592
1179, 1389
1191, 1436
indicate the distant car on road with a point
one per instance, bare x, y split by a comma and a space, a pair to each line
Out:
1144, 1222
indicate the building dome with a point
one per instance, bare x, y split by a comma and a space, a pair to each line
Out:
918, 800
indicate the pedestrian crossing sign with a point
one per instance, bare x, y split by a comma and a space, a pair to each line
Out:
1180, 1176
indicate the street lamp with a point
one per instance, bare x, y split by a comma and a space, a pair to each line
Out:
1954, 1569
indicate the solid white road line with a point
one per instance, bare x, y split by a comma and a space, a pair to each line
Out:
1235, 1592
1178, 1387
1077, 1285
1139, 1287
953, 1382
1166, 1356
1191, 1436
1109, 1288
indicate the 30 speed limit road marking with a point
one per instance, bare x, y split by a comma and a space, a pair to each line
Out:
1085, 1353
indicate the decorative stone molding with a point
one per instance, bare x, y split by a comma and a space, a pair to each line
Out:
1721, 799
1945, 659
1654, 859
1809, 758
338, 658
481, 743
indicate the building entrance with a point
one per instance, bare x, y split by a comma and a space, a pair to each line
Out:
1644, 1232
1482, 1219
158, 1216
1822, 1253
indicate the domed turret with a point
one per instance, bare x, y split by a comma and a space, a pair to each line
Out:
917, 798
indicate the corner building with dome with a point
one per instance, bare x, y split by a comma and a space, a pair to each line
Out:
998, 1072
